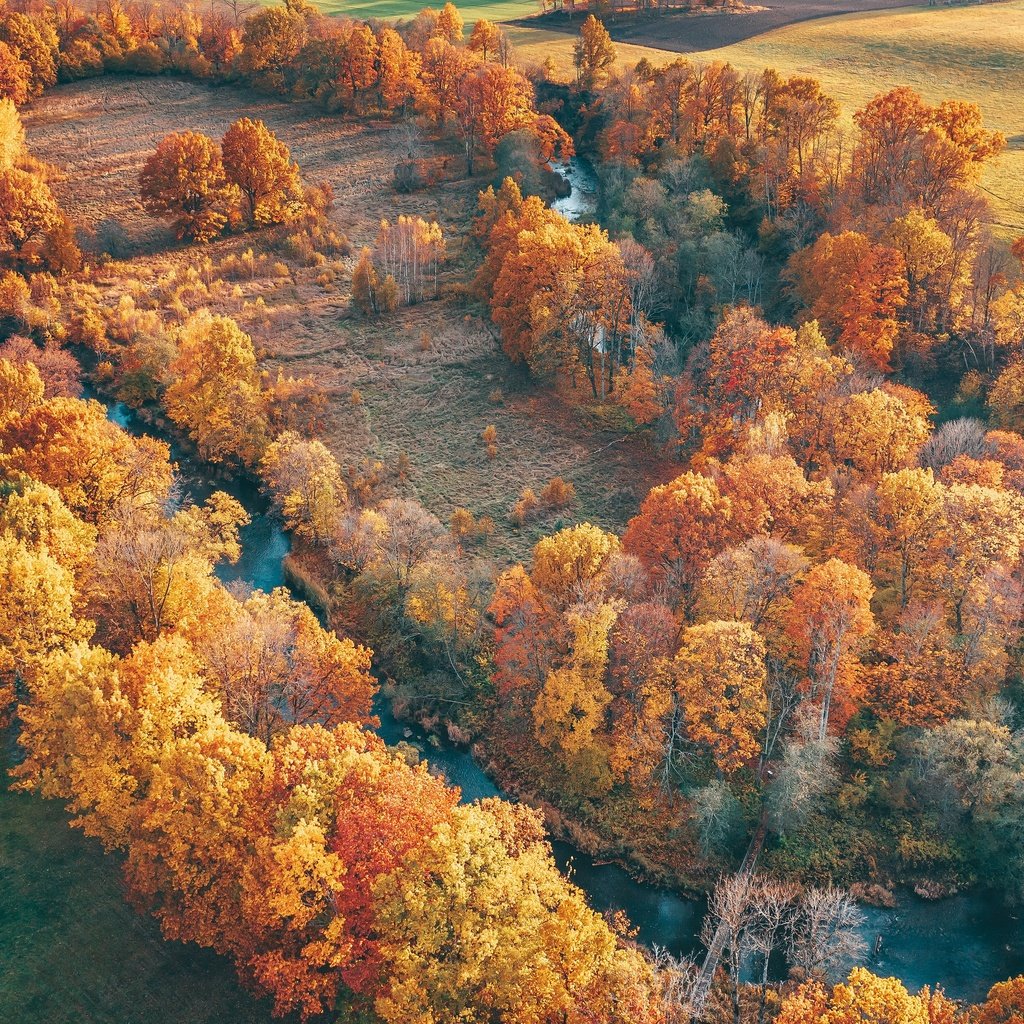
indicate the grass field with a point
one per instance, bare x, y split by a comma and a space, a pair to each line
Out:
973, 53
72, 951
471, 10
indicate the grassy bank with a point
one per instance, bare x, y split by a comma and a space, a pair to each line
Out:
72, 951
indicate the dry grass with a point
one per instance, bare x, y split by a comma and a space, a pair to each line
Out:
973, 53
430, 401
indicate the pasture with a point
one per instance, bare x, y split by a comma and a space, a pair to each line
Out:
971, 53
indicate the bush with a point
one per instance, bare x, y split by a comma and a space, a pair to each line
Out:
409, 176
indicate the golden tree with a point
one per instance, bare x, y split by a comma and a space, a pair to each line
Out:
260, 165
184, 181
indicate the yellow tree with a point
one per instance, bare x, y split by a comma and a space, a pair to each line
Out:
37, 612
12, 134
720, 679
878, 431
98, 468
27, 209
865, 999
184, 181
593, 54
304, 480
260, 165
485, 38
36, 515
216, 393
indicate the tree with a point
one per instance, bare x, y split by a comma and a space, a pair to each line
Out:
825, 932
100, 470
274, 666
410, 252
449, 23
1004, 1003
878, 431
304, 480
1006, 398
366, 284
27, 207
216, 394
259, 164
15, 78
593, 54
719, 675
11, 133
484, 38
184, 181
855, 288
35, 44
830, 615
37, 614
680, 527
151, 572
36, 515
443, 68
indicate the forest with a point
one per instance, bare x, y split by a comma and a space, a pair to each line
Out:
739, 608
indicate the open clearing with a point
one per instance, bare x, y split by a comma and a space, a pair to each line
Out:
430, 379
968, 53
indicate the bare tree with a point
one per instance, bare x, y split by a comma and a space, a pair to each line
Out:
963, 436
773, 903
727, 931
807, 772
824, 939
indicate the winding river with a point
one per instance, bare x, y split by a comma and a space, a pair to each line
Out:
964, 944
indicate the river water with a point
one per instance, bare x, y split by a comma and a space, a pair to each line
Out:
964, 944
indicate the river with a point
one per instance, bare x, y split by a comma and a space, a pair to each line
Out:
965, 944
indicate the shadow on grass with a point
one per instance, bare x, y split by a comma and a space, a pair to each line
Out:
72, 951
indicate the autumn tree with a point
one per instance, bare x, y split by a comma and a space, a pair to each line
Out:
593, 54
680, 527
184, 181
28, 210
829, 617
274, 665
34, 43
305, 483
99, 469
720, 678
855, 289
15, 76
216, 392
484, 38
260, 165
149, 572
411, 251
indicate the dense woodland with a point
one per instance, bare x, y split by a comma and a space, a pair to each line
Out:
812, 631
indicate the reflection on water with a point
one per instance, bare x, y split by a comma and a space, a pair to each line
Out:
964, 944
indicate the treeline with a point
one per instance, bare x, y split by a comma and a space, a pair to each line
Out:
426, 65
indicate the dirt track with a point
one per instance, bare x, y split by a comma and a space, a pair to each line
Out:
685, 32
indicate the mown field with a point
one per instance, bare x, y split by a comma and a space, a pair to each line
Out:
971, 53
72, 951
